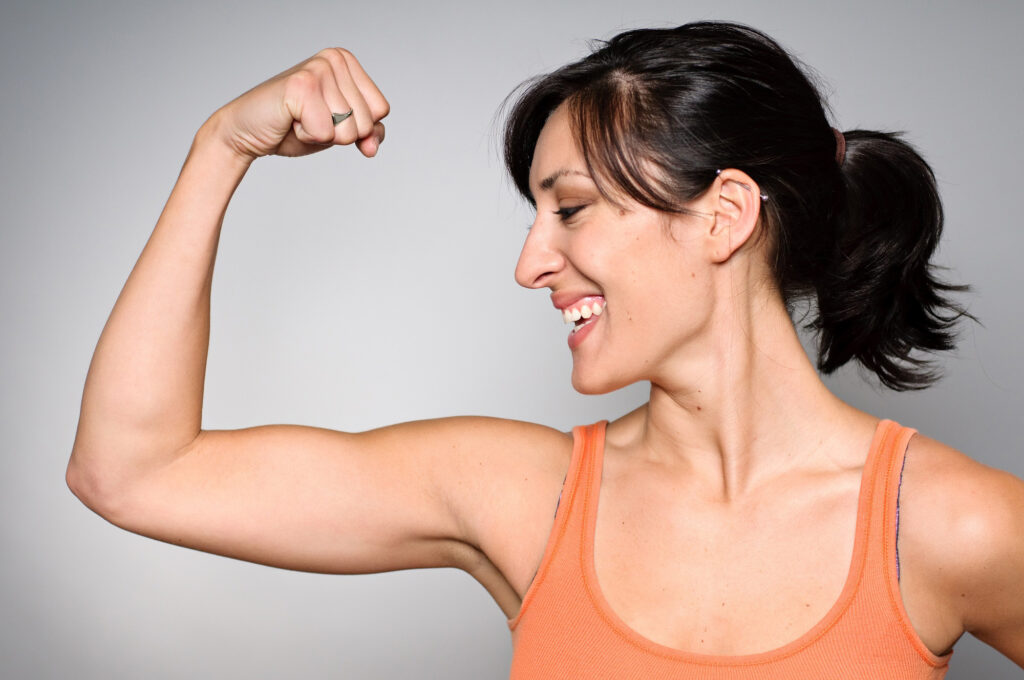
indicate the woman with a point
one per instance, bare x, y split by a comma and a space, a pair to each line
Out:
689, 192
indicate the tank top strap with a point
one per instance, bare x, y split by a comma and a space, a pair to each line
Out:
883, 471
880, 582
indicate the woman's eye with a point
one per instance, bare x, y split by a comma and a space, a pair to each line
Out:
567, 212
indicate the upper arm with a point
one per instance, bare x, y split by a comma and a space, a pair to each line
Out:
418, 494
962, 543
991, 587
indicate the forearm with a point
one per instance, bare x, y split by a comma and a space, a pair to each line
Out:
143, 394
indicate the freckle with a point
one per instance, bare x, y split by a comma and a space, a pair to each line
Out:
963, 594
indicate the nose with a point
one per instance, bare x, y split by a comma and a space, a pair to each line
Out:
541, 258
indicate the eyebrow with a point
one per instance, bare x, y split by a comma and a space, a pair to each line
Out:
549, 181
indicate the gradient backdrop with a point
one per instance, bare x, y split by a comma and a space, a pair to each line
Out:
352, 293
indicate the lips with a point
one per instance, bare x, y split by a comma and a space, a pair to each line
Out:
583, 310
581, 330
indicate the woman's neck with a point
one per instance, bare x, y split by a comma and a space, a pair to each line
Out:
745, 405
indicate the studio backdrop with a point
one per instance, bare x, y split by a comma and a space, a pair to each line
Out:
352, 293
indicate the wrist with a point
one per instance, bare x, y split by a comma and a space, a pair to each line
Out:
211, 140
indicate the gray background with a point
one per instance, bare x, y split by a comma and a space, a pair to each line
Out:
351, 294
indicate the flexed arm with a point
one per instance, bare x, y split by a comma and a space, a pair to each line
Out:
465, 492
144, 390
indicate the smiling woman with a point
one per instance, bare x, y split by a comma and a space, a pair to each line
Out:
854, 218
745, 522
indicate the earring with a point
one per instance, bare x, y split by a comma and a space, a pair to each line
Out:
764, 196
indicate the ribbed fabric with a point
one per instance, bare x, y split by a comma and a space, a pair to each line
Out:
565, 628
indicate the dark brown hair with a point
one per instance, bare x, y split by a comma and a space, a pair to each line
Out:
657, 111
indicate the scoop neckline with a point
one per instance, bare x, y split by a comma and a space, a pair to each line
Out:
853, 577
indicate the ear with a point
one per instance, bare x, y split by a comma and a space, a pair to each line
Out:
736, 199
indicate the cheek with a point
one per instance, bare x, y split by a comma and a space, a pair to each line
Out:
672, 300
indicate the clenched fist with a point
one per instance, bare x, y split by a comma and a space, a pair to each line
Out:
290, 114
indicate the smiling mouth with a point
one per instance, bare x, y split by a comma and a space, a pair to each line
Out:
584, 311
581, 323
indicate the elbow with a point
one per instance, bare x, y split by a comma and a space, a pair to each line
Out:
78, 480
92, 486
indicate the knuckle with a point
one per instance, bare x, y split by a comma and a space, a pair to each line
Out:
302, 80
318, 64
335, 56
331, 56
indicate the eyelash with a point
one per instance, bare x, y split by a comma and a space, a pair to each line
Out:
567, 212
564, 214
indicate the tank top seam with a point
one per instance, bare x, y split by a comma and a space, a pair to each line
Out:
865, 507
895, 598
561, 524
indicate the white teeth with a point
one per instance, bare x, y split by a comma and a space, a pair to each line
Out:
595, 308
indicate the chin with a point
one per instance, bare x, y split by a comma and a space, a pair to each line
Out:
592, 382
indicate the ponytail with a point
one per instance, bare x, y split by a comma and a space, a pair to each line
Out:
880, 299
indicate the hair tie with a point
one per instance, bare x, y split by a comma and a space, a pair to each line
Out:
840, 146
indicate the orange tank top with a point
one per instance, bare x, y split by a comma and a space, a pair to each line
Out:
565, 628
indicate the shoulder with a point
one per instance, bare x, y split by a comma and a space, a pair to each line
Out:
478, 461
962, 537
502, 481
480, 439
493, 467
961, 503
500, 442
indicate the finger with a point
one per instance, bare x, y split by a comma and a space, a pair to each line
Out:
369, 146
378, 105
346, 131
360, 111
342, 81
304, 99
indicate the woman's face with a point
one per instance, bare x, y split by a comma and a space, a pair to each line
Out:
647, 272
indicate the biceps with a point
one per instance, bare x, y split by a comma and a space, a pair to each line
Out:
298, 498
